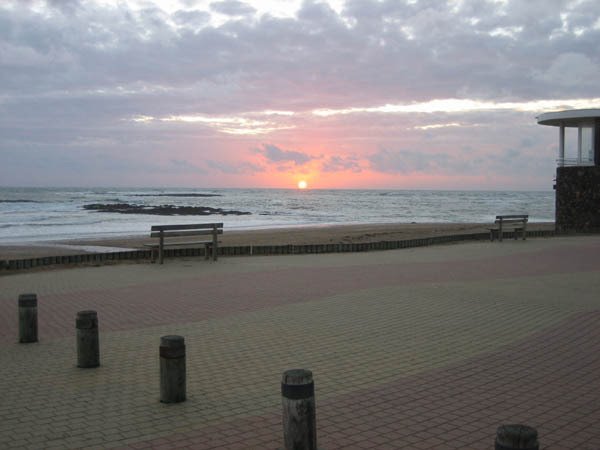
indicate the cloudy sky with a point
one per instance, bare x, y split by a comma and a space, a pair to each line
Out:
428, 94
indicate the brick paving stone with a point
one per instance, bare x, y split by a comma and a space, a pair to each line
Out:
434, 346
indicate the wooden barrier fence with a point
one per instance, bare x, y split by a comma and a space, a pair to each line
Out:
252, 250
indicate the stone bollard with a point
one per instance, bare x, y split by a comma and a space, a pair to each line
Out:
516, 437
88, 347
28, 323
299, 412
172, 369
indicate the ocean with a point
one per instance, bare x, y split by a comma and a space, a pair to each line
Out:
48, 214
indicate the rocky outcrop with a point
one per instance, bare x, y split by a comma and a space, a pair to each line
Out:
162, 210
190, 195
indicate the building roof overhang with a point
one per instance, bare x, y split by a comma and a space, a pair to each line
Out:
569, 118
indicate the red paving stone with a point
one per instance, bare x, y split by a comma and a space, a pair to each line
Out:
215, 295
549, 379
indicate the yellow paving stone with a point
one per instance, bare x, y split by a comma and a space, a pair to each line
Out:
353, 340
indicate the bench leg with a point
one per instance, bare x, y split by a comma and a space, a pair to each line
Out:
215, 246
517, 231
160, 248
210, 250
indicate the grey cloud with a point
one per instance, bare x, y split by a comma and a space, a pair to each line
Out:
316, 54
234, 168
318, 14
77, 165
85, 68
190, 3
66, 6
521, 160
571, 69
340, 164
232, 8
277, 155
406, 161
527, 142
403, 161
185, 166
192, 19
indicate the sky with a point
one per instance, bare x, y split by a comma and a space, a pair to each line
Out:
365, 94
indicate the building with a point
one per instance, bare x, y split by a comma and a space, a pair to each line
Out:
578, 171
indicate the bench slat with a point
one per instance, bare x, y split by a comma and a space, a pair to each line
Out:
188, 229
170, 234
513, 216
512, 222
191, 226
175, 244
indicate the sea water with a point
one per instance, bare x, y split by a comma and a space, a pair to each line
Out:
47, 214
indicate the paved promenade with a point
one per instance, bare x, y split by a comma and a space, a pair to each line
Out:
426, 348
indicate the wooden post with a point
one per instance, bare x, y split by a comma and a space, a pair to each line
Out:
215, 245
299, 412
172, 369
88, 347
28, 324
516, 437
161, 246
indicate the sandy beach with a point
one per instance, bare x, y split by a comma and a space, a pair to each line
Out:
326, 234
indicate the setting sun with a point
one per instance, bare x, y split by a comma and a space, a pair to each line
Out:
302, 184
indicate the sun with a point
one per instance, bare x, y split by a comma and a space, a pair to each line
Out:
302, 184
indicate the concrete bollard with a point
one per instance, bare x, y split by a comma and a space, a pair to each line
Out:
172, 369
516, 437
299, 411
28, 323
88, 346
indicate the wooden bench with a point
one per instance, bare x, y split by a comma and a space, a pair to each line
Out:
515, 222
162, 232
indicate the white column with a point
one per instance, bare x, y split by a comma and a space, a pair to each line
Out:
561, 146
579, 143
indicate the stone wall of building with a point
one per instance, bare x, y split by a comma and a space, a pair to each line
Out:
578, 199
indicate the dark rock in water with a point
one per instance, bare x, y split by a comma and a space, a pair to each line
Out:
191, 195
162, 210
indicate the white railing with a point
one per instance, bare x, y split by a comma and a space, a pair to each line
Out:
574, 162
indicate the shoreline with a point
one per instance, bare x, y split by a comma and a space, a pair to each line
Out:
319, 234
